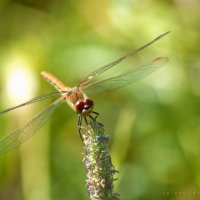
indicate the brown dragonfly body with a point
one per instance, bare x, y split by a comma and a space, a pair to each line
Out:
75, 97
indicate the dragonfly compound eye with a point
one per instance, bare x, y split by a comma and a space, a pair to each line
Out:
79, 106
89, 103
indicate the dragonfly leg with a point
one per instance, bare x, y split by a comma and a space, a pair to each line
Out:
86, 121
94, 119
97, 114
79, 125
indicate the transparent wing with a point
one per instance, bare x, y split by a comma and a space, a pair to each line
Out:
34, 100
100, 70
20, 135
130, 76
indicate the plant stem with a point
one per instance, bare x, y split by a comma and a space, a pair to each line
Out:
98, 163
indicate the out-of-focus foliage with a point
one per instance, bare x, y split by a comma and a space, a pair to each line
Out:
153, 125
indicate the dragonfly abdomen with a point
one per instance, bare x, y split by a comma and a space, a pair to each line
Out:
54, 81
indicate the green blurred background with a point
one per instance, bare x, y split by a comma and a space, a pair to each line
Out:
153, 125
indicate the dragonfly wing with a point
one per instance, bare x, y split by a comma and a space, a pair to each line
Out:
34, 100
130, 76
20, 135
104, 68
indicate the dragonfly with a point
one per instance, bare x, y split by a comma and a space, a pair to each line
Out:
76, 96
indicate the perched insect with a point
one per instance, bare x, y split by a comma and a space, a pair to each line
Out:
76, 97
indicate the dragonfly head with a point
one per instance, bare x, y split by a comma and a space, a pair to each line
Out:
84, 107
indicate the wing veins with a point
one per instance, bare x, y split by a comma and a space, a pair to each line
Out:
20, 135
129, 76
104, 68
31, 101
